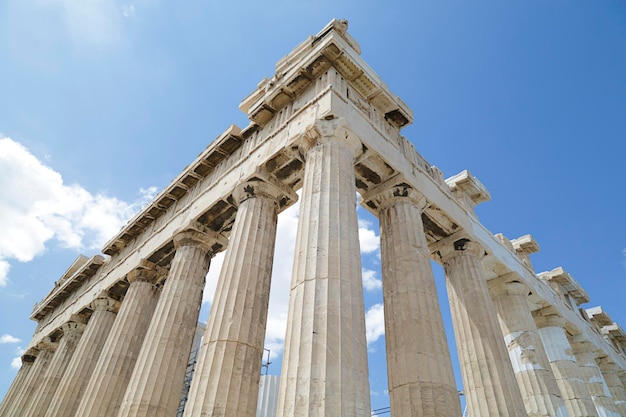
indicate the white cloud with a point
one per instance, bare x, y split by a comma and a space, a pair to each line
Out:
374, 323
370, 282
16, 362
37, 207
128, 11
368, 239
7, 338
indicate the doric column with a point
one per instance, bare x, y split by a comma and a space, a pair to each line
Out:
109, 379
72, 331
226, 378
17, 386
563, 363
592, 375
325, 361
535, 380
45, 351
421, 380
611, 375
489, 382
157, 380
79, 370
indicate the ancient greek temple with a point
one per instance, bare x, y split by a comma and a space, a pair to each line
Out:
115, 333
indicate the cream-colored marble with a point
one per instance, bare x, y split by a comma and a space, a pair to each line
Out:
79, 370
226, 378
489, 382
538, 387
49, 382
325, 360
610, 371
156, 384
563, 363
17, 386
593, 377
105, 390
419, 368
45, 352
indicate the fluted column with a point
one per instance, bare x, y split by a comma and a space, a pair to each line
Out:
610, 371
109, 379
17, 386
76, 377
535, 379
563, 363
45, 352
325, 361
489, 382
592, 375
226, 378
157, 380
72, 332
419, 368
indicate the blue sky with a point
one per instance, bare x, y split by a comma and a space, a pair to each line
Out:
104, 102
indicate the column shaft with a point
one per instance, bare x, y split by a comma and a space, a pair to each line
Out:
48, 385
325, 361
600, 394
17, 386
109, 379
79, 370
157, 381
535, 379
32, 380
564, 367
421, 380
614, 383
489, 382
226, 379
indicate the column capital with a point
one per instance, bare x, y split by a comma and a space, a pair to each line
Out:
70, 327
607, 365
548, 317
198, 235
273, 190
330, 128
30, 355
47, 344
392, 191
141, 275
499, 288
462, 246
105, 303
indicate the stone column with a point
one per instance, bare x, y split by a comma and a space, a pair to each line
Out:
226, 379
45, 351
592, 375
76, 377
109, 379
72, 332
611, 375
157, 380
489, 382
325, 361
421, 379
17, 386
563, 363
535, 379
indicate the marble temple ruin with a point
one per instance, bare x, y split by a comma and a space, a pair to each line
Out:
115, 333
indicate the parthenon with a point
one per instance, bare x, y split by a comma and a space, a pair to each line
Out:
114, 335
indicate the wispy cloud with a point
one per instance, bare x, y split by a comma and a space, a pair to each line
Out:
38, 207
16, 362
374, 323
370, 282
7, 338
